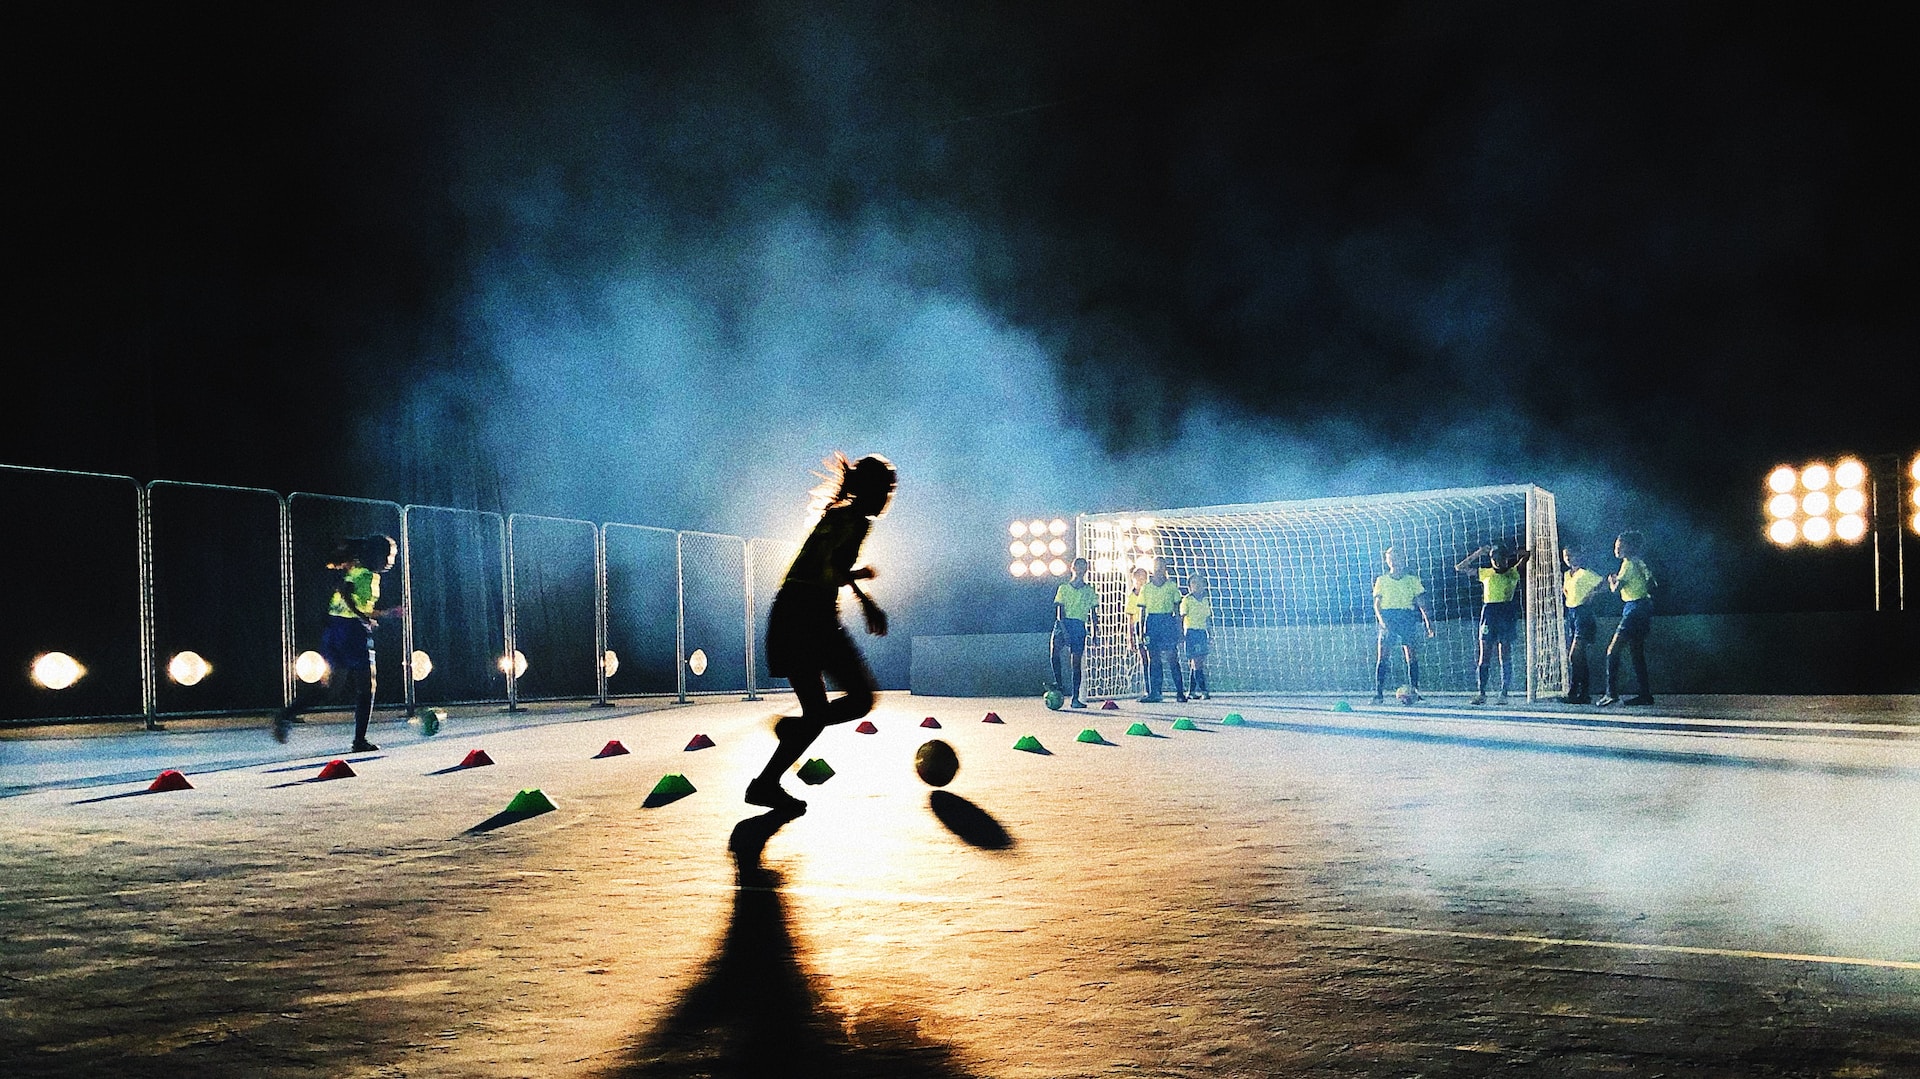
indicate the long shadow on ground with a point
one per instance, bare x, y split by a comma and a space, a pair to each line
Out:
756, 1011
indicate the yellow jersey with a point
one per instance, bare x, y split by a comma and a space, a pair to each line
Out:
1397, 593
1498, 586
1579, 585
1635, 580
1076, 601
1197, 611
364, 586
1160, 598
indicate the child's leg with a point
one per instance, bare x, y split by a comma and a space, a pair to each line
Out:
1638, 651
1179, 679
1380, 670
1413, 669
1200, 675
1079, 663
1053, 656
1506, 667
363, 703
1153, 671
1613, 666
1480, 664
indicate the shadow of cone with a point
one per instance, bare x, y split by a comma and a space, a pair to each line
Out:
528, 803
611, 749
170, 780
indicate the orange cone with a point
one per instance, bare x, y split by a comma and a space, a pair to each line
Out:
611, 749
476, 758
700, 741
866, 727
335, 769
170, 780
929, 722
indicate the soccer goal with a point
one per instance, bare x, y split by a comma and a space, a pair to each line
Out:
1292, 587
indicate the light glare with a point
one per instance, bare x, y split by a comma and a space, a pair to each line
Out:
1144, 541
1816, 530
1144, 562
1784, 533
1783, 505
519, 663
1816, 477
1815, 504
1057, 567
1038, 528
310, 667
1104, 544
1018, 529
697, 663
1016, 548
1782, 479
56, 670
1018, 569
1057, 547
1851, 527
1849, 473
422, 665
1103, 565
611, 662
188, 668
1037, 567
1850, 500
1057, 526
1143, 522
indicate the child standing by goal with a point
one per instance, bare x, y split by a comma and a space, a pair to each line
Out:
1499, 611
1634, 583
1160, 600
1073, 605
1196, 613
1579, 584
1136, 616
1397, 596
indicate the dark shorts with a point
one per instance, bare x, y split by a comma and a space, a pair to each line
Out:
804, 635
1197, 644
1636, 617
1497, 621
1163, 632
346, 644
1401, 625
1071, 632
1581, 626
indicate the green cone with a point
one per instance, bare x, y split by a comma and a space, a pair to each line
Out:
1139, 728
1185, 724
1342, 706
533, 800
1234, 719
1090, 735
1029, 743
815, 772
673, 783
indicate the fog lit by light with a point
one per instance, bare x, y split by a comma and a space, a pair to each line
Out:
1784, 533
1816, 530
188, 668
1851, 500
1783, 506
310, 667
1815, 503
1851, 527
1782, 479
56, 670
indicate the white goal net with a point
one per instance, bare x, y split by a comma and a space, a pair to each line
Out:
1292, 588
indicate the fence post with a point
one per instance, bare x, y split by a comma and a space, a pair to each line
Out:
143, 541
507, 597
753, 657
406, 608
600, 613
680, 616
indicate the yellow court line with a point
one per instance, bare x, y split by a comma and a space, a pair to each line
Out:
1620, 945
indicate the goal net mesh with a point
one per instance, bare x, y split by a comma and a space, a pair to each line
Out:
1292, 588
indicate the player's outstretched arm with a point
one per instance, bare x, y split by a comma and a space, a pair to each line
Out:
1466, 565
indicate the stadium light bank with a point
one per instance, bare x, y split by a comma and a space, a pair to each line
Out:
1847, 500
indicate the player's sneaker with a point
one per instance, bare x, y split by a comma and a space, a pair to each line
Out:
1078, 703
1608, 701
361, 745
1478, 698
1150, 699
1182, 698
771, 795
1641, 699
1576, 698
1502, 699
282, 724
1379, 698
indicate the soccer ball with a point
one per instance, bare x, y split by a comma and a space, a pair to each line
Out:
1055, 699
936, 762
1404, 694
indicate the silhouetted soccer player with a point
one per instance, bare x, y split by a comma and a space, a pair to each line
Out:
1160, 601
1397, 596
347, 641
1499, 611
806, 644
1074, 603
1634, 582
1579, 585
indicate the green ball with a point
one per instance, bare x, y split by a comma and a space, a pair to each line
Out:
1055, 699
936, 762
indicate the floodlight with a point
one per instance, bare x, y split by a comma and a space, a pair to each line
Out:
1913, 469
1018, 569
1103, 565
422, 665
1057, 546
1851, 500
1782, 479
1783, 506
1057, 527
1816, 477
697, 663
1784, 532
1037, 567
1815, 503
1038, 528
519, 663
1144, 562
1016, 548
1851, 527
188, 668
1103, 544
1144, 541
1038, 548
611, 661
1915, 524
1816, 530
1143, 522
1057, 567
1849, 473
1123, 524
56, 670
311, 667
1017, 529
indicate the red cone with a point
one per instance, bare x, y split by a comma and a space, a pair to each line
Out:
1110, 706
866, 727
476, 758
929, 722
993, 717
700, 741
335, 769
170, 780
611, 749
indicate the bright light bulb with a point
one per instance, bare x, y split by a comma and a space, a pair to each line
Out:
611, 661
697, 663
1057, 547
1915, 524
1017, 529
1849, 473
1816, 530
310, 667
56, 670
1038, 528
188, 668
1104, 544
1816, 477
1782, 479
1123, 523
1144, 541
1103, 565
1038, 548
1144, 562
1037, 567
1784, 533
422, 665
1851, 527
1057, 527
1815, 503
1783, 505
1016, 548
1143, 522
1851, 500
1057, 567
1018, 569
1914, 468
519, 663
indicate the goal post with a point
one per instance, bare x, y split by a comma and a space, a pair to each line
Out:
1292, 587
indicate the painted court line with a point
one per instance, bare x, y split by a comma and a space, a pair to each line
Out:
1620, 945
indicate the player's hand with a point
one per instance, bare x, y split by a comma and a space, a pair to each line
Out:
862, 573
1429, 632
876, 618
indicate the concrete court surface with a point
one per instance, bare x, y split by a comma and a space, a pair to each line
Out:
1365, 893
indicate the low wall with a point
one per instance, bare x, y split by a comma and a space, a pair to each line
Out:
1837, 652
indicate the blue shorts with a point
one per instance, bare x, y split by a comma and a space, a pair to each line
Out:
1072, 632
1497, 621
1197, 643
1163, 632
346, 644
1636, 617
1401, 625
1580, 625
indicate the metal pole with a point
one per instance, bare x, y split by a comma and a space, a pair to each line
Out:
507, 598
600, 611
286, 604
143, 542
746, 562
680, 616
406, 602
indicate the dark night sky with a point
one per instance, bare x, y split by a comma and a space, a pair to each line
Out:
588, 259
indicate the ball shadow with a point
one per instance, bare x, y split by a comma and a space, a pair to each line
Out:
969, 821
